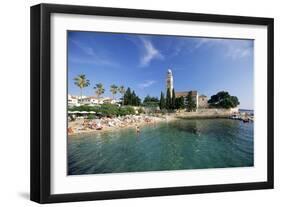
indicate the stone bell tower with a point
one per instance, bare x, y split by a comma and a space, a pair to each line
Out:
170, 81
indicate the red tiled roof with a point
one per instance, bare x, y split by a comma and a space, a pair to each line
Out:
185, 93
182, 93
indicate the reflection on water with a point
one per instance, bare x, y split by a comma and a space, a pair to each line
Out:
192, 128
182, 144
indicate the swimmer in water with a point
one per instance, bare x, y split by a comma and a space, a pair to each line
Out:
138, 129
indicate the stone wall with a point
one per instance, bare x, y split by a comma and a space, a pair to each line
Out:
208, 113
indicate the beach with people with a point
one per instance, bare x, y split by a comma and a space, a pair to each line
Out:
83, 125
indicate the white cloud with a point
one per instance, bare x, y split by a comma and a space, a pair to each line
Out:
203, 41
86, 49
146, 84
149, 52
238, 52
233, 48
188, 45
90, 56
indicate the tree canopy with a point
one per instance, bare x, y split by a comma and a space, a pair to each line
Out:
151, 101
105, 110
81, 81
122, 91
113, 89
191, 105
173, 100
223, 100
130, 98
162, 104
99, 89
179, 103
168, 99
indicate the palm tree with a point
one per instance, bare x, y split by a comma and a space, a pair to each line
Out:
81, 81
99, 89
113, 90
122, 91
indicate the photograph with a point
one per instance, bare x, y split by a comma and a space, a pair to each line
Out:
133, 103
150, 102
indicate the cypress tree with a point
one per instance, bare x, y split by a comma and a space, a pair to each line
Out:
162, 101
173, 101
133, 99
128, 97
138, 101
181, 102
168, 99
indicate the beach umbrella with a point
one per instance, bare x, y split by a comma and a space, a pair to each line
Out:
92, 112
83, 112
74, 112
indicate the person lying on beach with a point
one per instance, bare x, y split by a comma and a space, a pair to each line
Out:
82, 128
70, 130
93, 125
99, 126
85, 123
147, 120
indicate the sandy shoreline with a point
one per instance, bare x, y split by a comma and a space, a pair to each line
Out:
81, 126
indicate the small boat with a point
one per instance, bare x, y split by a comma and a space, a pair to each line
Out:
246, 120
235, 116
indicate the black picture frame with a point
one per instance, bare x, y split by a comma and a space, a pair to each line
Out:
41, 99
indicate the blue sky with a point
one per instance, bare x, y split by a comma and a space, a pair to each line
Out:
208, 65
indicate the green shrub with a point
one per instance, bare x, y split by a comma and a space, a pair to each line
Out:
126, 110
91, 116
105, 110
141, 110
84, 108
108, 110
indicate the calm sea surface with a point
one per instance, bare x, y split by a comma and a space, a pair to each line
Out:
181, 144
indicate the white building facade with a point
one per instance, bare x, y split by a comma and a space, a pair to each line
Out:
90, 100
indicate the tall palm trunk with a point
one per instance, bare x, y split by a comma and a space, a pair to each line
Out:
80, 95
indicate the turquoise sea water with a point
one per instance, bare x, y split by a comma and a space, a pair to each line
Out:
181, 144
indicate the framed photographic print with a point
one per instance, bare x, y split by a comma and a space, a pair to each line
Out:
133, 103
